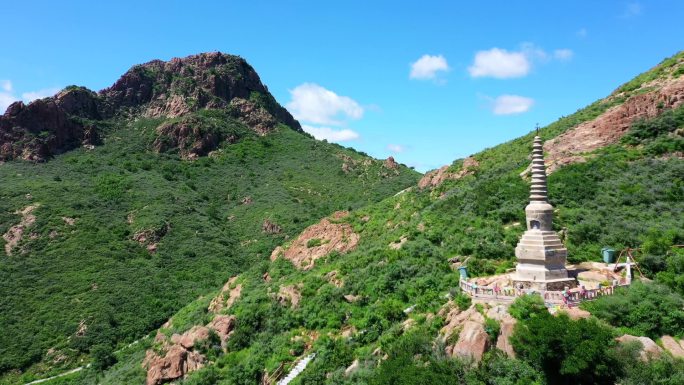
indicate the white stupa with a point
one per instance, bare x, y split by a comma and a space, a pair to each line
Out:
540, 253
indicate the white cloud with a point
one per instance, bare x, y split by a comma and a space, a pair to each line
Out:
314, 104
563, 54
502, 64
331, 134
44, 93
582, 32
632, 10
428, 66
511, 104
5, 100
499, 63
8, 97
6, 85
396, 148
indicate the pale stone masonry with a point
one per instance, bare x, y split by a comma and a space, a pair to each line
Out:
540, 253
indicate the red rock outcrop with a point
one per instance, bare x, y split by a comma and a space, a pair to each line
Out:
610, 126
175, 364
53, 125
45, 127
390, 163
435, 178
325, 237
178, 356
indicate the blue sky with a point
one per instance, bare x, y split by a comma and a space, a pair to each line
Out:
426, 82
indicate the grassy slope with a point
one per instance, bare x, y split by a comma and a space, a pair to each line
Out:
94, 271
626, 194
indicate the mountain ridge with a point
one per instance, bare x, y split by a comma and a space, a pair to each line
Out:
171, 89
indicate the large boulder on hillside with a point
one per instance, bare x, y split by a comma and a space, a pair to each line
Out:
175, 364
650, 350
671, 345
473, 340
503, 342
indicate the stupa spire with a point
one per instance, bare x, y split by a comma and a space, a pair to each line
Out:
538, 188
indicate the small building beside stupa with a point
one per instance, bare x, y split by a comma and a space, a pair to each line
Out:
540, 253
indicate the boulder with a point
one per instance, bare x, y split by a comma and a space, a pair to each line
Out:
473, 341
649, 348
671, 345
176, 363
502, 342
223, 325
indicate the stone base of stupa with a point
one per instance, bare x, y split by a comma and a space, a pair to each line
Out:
558, 284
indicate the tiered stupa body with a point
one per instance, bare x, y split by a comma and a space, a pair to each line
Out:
540, 253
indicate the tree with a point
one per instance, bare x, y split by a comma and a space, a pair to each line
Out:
567, 351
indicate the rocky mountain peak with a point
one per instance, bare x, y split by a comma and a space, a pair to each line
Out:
158, 88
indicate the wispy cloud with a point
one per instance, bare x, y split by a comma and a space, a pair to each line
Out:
44, 93
396, 148
563, 54
510, 104
582, 33
331, 134
631, 10
428, 67
6, 85
504, 64
7, 95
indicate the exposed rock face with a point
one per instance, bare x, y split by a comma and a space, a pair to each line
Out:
610, 126
649, 348
326, 236
253, 116
223, 325
290, 295
53, 125
473, 340
178, 356
437, 177
502, 342
207, 80
14, 234
149, 238
47, 126
269, 227
334, 279
390, 163
176, 363
671, 345
190, 137
226, 298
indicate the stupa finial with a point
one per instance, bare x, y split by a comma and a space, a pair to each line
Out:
538, 189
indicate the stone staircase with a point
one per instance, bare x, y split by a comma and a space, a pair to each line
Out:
299, 368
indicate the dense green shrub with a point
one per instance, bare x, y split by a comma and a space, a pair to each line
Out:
642, 309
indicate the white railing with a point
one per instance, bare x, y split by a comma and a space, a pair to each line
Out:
569, 297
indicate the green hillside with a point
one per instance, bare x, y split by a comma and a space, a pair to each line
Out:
629, 193
350, 306
127, 232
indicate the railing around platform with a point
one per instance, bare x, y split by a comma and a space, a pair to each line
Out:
507, 293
